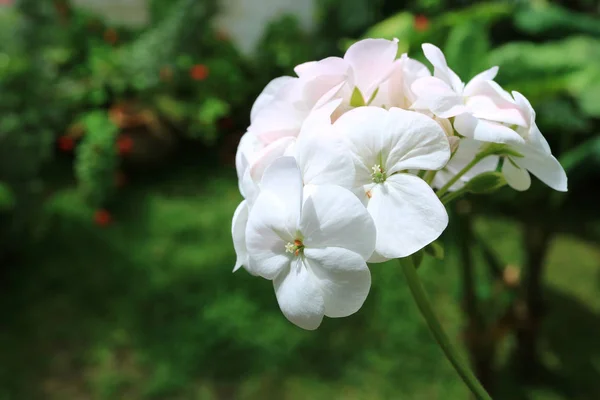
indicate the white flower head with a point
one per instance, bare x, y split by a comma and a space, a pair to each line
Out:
385, 145
481, 107
319, 155
312, 243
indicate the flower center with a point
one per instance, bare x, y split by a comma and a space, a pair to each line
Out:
378, 174
294, 248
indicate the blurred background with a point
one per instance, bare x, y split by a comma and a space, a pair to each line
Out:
119, 121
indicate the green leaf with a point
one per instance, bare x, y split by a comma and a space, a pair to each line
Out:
547, 70
212, 109
472, 36
399, 26
435, 250
487, 182
171, 108
357, 99
7, 198
583, 153
541, 18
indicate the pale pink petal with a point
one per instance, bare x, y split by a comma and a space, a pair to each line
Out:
440, 67
269, 154
487, 75
372, 62
268, 94
438, 97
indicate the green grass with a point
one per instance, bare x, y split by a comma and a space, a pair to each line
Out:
148, 308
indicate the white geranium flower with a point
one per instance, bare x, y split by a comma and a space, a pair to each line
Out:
465, 153
385, 145
481, 107
312, 243
320, 157
537, 157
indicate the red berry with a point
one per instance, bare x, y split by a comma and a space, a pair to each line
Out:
111, 36
66, 143
199, 72
124, 144
102, 217
421, 23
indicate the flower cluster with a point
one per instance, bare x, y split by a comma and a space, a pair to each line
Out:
339, 167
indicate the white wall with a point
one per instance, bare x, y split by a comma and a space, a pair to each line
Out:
243, 20
121, 12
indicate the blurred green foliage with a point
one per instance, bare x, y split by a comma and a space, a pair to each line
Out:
146, 307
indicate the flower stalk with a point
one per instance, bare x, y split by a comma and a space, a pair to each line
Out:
440, 336
460, 173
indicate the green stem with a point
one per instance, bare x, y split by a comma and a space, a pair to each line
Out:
460, 173
453, 195
428, 177
440, 336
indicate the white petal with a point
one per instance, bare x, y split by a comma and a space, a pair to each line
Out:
342, 276
407, 214
269, 154
441, 69
249, 188
439, 97
268, 94
361, 128
396, 139
270, 227
486, 131
398, 93
319, 119
248, 148
372, 62
238, 233
334, 217
532, 132
517, 178
283, 116
545, 167
487, 75
322, 158
484, 107
414, 141
299, 296
328, 66
283, 178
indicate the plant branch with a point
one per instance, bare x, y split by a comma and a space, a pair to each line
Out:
460, 173
440, 336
